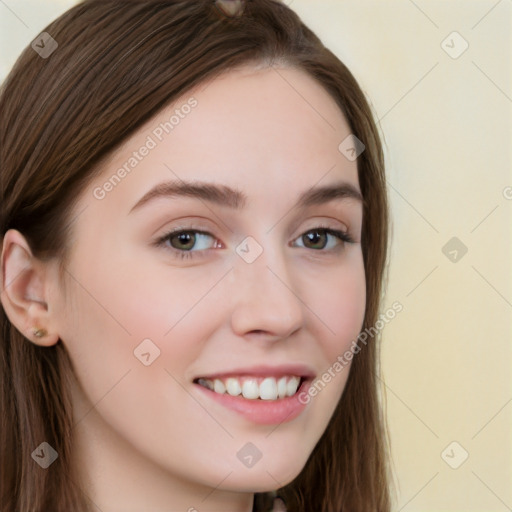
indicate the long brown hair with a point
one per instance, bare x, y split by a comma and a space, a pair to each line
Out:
61, 115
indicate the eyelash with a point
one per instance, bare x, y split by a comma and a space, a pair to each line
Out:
343, 236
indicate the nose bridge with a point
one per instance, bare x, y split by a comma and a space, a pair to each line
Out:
265, 297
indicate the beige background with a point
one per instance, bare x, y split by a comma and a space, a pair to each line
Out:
447, 126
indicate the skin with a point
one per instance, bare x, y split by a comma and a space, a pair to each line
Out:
146, 437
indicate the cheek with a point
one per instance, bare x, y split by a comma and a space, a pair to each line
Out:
339, 302
176, 308
118, 306
339, 307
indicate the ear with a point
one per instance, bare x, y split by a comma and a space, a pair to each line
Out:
24, 290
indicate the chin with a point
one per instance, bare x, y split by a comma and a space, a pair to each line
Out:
264, 478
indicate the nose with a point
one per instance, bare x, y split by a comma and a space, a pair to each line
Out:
265, 302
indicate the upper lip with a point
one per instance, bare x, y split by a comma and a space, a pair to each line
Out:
300, 370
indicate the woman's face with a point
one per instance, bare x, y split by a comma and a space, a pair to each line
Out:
252, 289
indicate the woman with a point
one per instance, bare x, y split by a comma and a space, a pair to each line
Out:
194, 225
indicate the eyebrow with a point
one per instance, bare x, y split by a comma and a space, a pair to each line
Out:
235, 199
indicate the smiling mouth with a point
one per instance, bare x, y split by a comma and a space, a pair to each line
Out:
254, 388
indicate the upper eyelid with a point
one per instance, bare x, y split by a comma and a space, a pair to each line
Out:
185, 229
325, 224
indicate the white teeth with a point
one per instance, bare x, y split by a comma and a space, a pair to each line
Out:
233, 387
250, 389
218, 386
281, 387
292, 386
269, 388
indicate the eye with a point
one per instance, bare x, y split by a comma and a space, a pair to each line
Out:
324, 238
183, 242
187, 240
191, 243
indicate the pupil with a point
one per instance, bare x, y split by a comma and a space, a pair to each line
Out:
186, 240
315, 237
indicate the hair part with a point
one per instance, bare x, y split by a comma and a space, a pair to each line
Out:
61, 117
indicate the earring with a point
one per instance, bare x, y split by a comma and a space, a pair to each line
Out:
39, 332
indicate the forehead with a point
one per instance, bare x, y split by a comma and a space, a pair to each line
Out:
264, 131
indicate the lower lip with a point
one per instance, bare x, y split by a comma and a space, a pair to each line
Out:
262, 412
